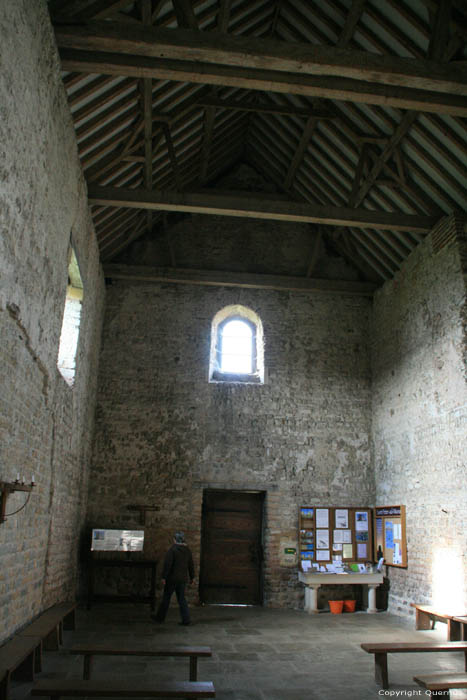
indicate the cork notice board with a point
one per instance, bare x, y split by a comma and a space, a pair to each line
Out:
389, 534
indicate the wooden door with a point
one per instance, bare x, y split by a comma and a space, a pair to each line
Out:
231, 549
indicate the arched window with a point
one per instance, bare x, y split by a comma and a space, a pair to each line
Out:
237, 346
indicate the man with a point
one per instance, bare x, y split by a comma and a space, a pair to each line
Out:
177, 571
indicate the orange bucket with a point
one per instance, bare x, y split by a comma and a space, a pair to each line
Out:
349, 605
335, 606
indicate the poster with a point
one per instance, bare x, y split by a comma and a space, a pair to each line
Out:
342, 517
389, 535
344, 536
361, 550
322, 517
322, 539
347, 551
361, 520
322, 555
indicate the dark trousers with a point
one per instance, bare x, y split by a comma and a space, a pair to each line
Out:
179, 589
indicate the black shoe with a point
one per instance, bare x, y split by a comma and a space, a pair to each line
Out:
156, 619
185, 624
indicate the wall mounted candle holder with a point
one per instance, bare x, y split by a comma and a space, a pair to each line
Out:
7, 487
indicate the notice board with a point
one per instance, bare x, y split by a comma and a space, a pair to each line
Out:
390, 537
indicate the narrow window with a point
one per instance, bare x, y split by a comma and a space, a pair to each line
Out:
69, 336
237, 353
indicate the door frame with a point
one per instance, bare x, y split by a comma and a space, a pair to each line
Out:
262, 493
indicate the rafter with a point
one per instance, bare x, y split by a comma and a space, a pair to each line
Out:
209, 116
300, 151
256, 207
224, 15
172, 155
351, 22
185, 14
441, 20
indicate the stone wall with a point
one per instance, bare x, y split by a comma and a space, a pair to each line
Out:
45, 426
163, 433
419, 416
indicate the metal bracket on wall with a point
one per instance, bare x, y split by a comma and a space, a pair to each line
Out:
142, 511
7, 487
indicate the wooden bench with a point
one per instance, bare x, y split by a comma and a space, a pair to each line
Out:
136, 689
191, 651
382, 649
50, 624
442, 682
21, 658
426, 616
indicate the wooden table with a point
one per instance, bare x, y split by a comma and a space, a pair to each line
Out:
136, 564
313, 581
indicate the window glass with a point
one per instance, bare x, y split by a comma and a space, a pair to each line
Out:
237, 347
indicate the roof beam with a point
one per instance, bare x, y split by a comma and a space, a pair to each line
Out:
211, 278
267, 108
264, 55
264, 80
256, 207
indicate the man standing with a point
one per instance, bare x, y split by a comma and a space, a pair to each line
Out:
177, 571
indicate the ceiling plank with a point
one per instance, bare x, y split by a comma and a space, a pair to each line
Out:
333, 88
257, 207
214, 278
264, 55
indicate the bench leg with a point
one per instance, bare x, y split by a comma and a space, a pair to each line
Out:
381, 670
87, 666
69, 621
38, 658
193, 668
454, 631
25, 671
4, 686
422, 620
51, 642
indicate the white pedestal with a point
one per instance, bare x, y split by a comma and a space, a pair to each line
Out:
314, 581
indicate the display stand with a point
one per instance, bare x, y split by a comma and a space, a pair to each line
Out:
390, 537
330, 535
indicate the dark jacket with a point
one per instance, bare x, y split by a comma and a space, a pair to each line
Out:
178, 564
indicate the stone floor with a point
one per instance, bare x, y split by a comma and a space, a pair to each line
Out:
258, 653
